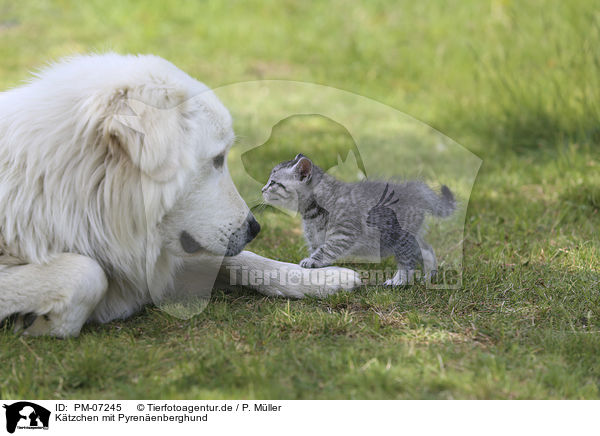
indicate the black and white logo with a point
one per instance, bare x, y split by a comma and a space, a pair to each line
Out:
26, 415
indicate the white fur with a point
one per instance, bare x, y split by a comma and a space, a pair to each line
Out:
110, 157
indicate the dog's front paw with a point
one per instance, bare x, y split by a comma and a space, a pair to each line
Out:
31, 324
309, 262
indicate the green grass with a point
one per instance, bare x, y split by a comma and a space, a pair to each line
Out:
517, 83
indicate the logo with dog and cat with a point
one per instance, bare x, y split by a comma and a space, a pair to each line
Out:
25, 415
370, 188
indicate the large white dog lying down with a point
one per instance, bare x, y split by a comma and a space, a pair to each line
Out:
113, 171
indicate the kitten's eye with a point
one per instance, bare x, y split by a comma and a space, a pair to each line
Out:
218, 161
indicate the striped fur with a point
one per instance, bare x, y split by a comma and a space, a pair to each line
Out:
364, 221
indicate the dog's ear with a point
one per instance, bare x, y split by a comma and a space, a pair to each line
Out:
149, 131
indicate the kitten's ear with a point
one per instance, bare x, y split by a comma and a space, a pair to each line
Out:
303, 168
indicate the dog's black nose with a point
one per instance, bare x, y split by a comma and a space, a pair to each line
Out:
253, 227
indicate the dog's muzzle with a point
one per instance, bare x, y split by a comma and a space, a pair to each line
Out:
188, 243
237, 241
243, 236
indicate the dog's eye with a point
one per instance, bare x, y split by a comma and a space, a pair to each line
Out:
219, 160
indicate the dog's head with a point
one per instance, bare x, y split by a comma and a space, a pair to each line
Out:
178, 134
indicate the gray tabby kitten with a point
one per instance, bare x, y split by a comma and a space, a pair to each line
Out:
367, 220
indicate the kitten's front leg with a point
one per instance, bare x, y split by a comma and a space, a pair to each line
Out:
325, 255
335, 247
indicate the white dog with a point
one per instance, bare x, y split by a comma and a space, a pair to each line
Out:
113, 174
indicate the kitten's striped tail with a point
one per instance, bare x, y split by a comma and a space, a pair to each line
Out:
444, 204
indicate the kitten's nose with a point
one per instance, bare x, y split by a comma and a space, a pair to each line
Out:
264, 188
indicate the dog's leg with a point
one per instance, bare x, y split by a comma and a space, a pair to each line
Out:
55, 298
274, 278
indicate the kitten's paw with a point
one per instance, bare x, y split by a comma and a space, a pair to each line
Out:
399, 279
309, 262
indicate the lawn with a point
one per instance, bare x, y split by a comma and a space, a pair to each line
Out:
515, 83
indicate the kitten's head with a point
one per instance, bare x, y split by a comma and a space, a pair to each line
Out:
289, 181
